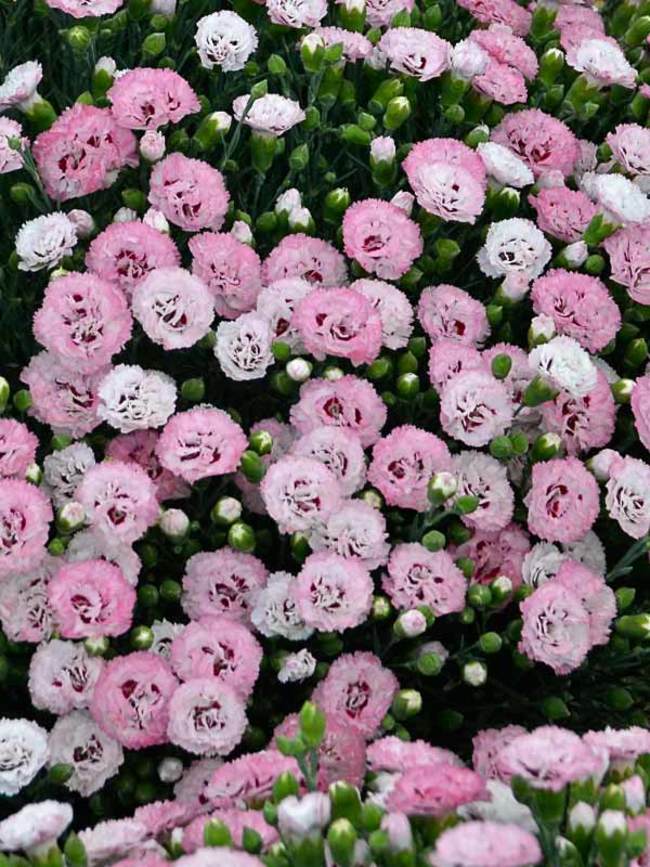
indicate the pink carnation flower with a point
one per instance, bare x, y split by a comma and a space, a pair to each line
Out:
509, 12
174, 308
563, 502
67, 400
502, 83
357, 691
201, 442
62, 676
139, 447
356, 531
580, 306
299, 493
25, 612
82, 151
86, 8
350, 403
340, 322
25, 513
230, 269
584, 423
486, 844
640, 404
544, 143
487, 745
381, 238
248, 780
448, 179
17, 448
217, 647
446, 311
563, 213
112, 839
355, 45
11, 160
394, 308
392, 754
124, 253
35, 827
119, 499
629, 257
277, 302
628, 495
630, 144
549, 758
271, 114
419, 577
222, 582
481, 476
596, 596
91, 599
475, 407
623, 746
505, 47
84, 321
380, 13
435, 790
403, 463
190, 193
145, 98
340, 451
227, 858
332, 593
415, 52
131, 699
206, 717
310, 259
448, 357
556, 628
496, 553
94, 757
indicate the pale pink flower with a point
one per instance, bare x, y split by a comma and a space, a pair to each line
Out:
230, 269
355, 531
243, 347
381, 238
248, 780
25, 513
509, 12
45, 241
17, 448
297, 13
394, 308
35, 827
628, 496
419, 577
640, 404
355, 45
629, 256
222, 582
25, 611
62, 676
394, 755
11, 160
131, 699
225, 39
475, 407
146, 98
416, 52
94, 757
435, 790
174, 308
332, 593
563, 502
596, 596
139, 447
502, 83
556, 628
448, 357
310, 259
446, 311
272, 114
563, 213
276, 613
86, 8
496, 553
487, 745
545, 143
630, 144
584, 423
299, 493
113, 838
549, 758
340, 451
481, 476
486, 844
623, 746
133, 399
277, 302
380, 13
23, 752
190, 193
206, 717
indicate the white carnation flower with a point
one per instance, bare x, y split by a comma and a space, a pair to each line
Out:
131, 398
19, 87
35, 828
271, 114
243, 347
23, 752
468, 59
224, 39
297, 666
603, 63
275, 612
621, 200
63, 470
297, 13
504, 166
78, 741
45, 241
541, 563
566, 365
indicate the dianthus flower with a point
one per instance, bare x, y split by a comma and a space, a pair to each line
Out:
563, 500
355, 531
549, 758
475, 407
545, 143
276, 613
225, 39
62, 676
299, 493
486, 844
25, 513
270, 115
25, 612
628, 496
174, 308
146, 98
435, 790
23, 752
206, 717
190, 193
44, 241
350, 403
419, 577
446, 311
243, 347
229, 268
133, 399
482, 476
381, 238
332, 593
17, 448
563, 213
222, 582
311, 259
394, 308
93, 756
416, 52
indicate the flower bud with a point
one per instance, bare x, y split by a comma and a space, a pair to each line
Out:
636, 352
242, 232
22, 400
300, 220
555, 709
170, 770
610, 836
252, 466
410, 624
434, 540
346, 802
70, 517
263, 149
501, 589
635, 626
490, 642
479, 596
312, 52
501, 448
537, 392
174, 523
5, 393
152, 146
441, 487
624, 598
82, 221
301, 817
381, 608
546, 447
407, 385
153, 45
466, 504
96, 646
397, 112
312, 724
398, 829
285, 786
124, 215
475, 673
382, 150
157, 220
336, 203
299, 369
406, 704
216, 834
574, 255
342, 839
404, 200
542, 329
141, 638
241, 537
622, 390
634, 792
226, 511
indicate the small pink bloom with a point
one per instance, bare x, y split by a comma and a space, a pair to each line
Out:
190, 193
435, 790
145, 98
332, 593
206, 717
563, 502
17, 448
545, 143
222, 582
419, 577
381, 238
486, 844
448, 312
25, 513
174, 308
230, 269
299, 493
310, 259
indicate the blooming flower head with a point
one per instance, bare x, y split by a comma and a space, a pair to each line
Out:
222, 582
482, 476
350, 403
380, 13
132, 399
419, 577
448, 179
139, 447
628, 495
393, 754
549, 758
496, 553
94, 757
206, 717
504, 167
339, 322
563, 501
355, 45
394, 308
248, 780
276, 612
446, 311
44, 241
618, 199
25, 612
217, 647
119, 499
277, 303
381, 238
516, 250
403, 463
86, 8
35, 827
566, 365
340, 451
415, 52
131, 699
271, 114
113, 838
91, 599
487, 745
243, 347
434, 790
629, 256
174, 307
545, 143
355, 531
19, 85
297, 13
600, 58
236, 821
358, 691
62, 676
11, 160
229, 268
124, 253
82, 151
83, 320
190, 193
147, 98
623, 746
17, 448
630, 144
583, 423
341, 754
448, 357
563, 213
23, 752
225, 39
596, 596
332, 593
640, 405
507, 12
475, 407
25, 513
556, 628
299, 493
310, 259
486, 844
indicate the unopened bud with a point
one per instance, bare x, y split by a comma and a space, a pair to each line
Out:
441, 487
174, 523
407, 703
170, 770
70, 517
152, 145
475, 673
410, 624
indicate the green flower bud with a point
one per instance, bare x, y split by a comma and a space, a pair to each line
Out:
5, 391
263, 149
78, 38
635, 626
390, 88
407, 703
381, 608
153, 45
555, 709
299, 545
479, 596
379, 369
346, 803
441, 487
211, 130
56, 547
336, 203
494, 314
501, 365
546, 447
312, 724
22, 193
407, 385
285, 786
135, 199
148, 595
241, 537
466, 504
594, 264
429, 664
276, 65
610, 836
170, 590
636, 353
371, 816
41, 115
519, 443
475, 673
537, 392
193, 390
479, 135
97, 646
434, 540
299, 158
351, 133
501, 448
490, 642
141, 638
397, 112
501, 589
624, 598
638, 32
22, 400
622, 390
458, 533
466, 566
342, 839
266, 222
60, 773
252, 841
551, 64
312, 52
252, 467
597, 230
216, 833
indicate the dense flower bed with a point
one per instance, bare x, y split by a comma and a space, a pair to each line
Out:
324, 484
